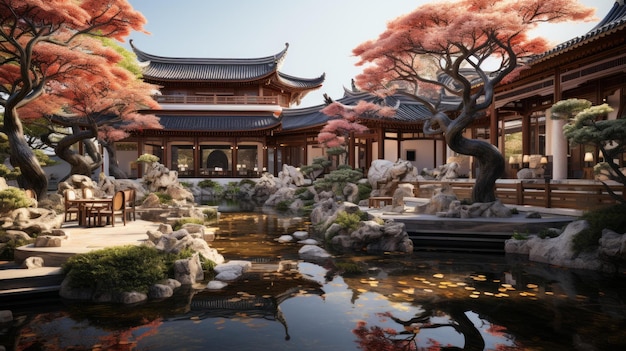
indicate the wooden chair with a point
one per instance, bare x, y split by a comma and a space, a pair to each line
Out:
129, 196
70, 207
117, 208
88, 193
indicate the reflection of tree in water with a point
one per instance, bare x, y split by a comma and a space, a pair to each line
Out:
539, 310
376, 338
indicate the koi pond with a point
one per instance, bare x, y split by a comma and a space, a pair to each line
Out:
422, 301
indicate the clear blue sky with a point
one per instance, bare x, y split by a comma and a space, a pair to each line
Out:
321, 33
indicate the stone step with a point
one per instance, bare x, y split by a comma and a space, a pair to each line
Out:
22, 281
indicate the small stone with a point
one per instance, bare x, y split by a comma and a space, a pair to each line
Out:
216, 285
32, 262
300, 234
285, 239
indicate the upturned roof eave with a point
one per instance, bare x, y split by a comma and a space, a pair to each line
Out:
272, 59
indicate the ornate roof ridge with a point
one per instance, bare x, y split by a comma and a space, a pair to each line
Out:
275, 59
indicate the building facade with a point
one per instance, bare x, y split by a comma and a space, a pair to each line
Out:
236, 117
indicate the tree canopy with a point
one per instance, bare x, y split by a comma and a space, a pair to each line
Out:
588, 125
51, 46
451, 55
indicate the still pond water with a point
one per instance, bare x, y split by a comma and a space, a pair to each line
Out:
422, 301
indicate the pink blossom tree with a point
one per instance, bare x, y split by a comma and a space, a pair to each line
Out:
46, 41
344, 121
461, 38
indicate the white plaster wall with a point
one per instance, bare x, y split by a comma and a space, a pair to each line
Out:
391, 150
313, 152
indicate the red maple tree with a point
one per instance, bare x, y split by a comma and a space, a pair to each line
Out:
460, 38
105, 107
52, 41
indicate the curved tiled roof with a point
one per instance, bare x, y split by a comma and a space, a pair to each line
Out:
222, 123
409, 110
160, 68
615, 19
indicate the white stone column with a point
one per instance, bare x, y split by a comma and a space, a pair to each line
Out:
558, 146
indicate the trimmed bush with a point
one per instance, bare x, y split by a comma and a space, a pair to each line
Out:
605, 218
120, 269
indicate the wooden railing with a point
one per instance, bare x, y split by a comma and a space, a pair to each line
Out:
580, 196
218, 99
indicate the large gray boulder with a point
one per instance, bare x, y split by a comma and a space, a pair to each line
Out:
559, 251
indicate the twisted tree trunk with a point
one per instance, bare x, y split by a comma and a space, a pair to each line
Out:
22, 155
114, 166
490, 160
79, 164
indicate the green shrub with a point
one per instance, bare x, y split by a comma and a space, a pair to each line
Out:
7, 249
548, 233
186, 184
247, 182
304, 194
118, 269
605, 218
148, 158
231, 190
208, 183
365, 190
9, 173
179, 223
349, 221
336, 180
520, 236
283, 206
210, 214
12, 199
164, 198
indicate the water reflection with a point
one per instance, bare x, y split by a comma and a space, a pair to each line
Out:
423, 301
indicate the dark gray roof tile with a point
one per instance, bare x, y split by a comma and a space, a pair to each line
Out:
212, 123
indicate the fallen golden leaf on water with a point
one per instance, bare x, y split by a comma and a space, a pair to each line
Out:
531, 286
438, 275
408, 291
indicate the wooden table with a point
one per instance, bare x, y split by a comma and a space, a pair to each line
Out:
85, 204
375, 201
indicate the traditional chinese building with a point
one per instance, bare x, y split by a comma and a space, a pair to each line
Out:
236, 117
591, 66
218, 115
